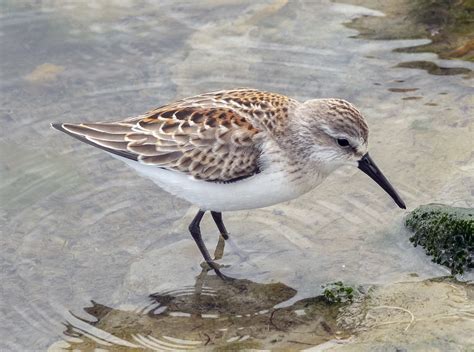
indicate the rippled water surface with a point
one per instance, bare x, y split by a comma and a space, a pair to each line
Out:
83, 237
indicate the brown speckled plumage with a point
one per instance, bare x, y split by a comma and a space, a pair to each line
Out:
348, 117
218, 136
213, 136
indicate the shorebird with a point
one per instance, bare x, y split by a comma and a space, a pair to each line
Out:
237, 149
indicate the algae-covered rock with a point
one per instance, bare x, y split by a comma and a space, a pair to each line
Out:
446, 233
338, 292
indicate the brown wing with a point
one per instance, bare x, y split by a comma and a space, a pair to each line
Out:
208, 143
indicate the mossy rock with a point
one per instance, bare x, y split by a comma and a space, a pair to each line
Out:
446, 233
338, 292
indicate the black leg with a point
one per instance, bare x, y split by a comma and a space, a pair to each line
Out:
196, 233
220, 224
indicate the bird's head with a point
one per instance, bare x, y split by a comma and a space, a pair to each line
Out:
336, 134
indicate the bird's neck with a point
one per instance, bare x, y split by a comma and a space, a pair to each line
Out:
298, 169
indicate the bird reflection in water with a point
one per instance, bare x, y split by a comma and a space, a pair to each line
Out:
236, 313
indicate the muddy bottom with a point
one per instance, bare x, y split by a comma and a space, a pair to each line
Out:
240, 314
447, 24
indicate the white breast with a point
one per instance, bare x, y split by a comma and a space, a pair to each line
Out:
269, 187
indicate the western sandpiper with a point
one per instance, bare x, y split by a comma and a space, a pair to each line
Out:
237, 149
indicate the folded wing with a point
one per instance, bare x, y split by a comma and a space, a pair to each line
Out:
209, 143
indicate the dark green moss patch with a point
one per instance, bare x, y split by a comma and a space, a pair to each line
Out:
446, 233
337, 292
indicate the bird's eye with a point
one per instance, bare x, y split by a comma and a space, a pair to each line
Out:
343, 142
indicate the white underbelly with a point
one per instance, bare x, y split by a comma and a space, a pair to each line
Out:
261, 190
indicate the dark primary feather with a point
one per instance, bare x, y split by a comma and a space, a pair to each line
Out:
82, 138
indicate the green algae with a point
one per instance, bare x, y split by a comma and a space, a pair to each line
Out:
338, 292
446, 233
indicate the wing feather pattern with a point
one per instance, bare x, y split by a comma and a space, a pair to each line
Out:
212, 137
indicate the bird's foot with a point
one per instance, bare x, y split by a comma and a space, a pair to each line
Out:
225, 235
216, 267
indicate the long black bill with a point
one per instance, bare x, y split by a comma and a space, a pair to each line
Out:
367, 165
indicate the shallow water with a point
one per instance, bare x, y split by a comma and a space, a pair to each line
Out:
78, 226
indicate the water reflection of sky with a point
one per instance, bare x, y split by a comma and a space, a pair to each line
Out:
79, 226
